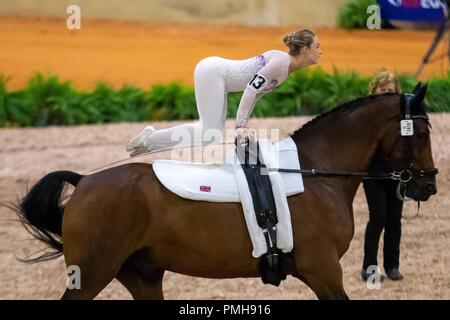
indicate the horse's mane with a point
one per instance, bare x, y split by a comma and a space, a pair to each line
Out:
346, 107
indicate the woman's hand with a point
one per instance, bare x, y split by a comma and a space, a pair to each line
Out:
245, 134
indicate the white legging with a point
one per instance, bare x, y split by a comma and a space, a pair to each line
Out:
211, 98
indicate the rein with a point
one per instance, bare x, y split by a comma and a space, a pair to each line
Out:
403, 176
394, 176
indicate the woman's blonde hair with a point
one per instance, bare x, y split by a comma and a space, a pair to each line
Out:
298, 40
383, 78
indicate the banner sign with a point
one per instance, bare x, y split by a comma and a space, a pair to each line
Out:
429, 11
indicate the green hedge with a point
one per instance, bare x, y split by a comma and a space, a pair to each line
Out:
46, 100
353, 14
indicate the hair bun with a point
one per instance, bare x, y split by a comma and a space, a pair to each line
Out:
289, 38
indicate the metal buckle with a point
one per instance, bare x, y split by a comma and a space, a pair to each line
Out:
408, 177
395, 175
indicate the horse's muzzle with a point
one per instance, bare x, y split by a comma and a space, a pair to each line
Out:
422, 190
430, 188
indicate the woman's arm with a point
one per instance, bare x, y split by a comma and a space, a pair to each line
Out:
245, 108
256, 88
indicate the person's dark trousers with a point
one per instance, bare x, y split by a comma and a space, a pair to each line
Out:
385, 211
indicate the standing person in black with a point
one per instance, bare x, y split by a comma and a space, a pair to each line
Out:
385, 209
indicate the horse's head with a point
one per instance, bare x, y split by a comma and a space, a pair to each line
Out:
407, 147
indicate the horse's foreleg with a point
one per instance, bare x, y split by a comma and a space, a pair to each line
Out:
326, 286
323, 274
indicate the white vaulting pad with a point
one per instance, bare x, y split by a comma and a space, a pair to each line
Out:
227, 183
198, 181
217, 182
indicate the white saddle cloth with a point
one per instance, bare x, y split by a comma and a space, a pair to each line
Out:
226, 182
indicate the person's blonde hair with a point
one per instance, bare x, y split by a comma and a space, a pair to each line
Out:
383, 78
297, 40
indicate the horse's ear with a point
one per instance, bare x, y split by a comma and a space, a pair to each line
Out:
417, 88
420, 96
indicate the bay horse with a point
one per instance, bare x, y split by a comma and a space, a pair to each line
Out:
123, 223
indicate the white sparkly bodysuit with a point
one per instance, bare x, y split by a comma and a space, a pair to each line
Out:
214, 77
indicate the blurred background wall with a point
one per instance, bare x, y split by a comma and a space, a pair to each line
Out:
252, 12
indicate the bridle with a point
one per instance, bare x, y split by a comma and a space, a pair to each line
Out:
411, 173
408, 175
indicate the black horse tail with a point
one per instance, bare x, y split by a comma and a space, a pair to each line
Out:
41, 212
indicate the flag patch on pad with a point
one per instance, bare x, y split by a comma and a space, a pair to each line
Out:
205, 188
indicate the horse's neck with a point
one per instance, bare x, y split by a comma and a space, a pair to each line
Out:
347, 142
